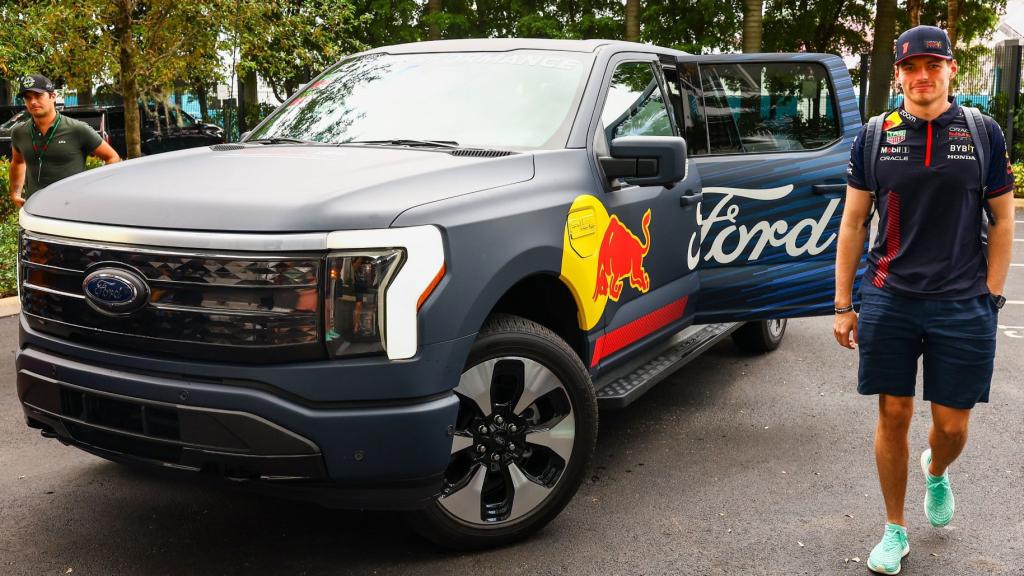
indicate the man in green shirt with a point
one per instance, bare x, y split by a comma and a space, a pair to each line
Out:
51, 146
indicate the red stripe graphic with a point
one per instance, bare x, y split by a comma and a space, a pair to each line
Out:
611, 342
892, 239
928, 147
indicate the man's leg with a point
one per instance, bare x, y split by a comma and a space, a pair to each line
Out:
892, 452
947, 437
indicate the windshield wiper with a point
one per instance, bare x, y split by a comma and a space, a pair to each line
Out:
406, 142
281, 140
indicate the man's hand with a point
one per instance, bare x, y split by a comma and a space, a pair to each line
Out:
17, 177
845, 330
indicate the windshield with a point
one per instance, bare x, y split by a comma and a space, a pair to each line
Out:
522, 99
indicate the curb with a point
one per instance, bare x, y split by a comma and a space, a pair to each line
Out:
9, 306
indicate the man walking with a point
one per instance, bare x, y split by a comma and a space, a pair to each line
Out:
932, 288
51, 146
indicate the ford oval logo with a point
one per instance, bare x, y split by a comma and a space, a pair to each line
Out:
115, 291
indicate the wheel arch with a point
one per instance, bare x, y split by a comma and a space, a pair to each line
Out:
546, 300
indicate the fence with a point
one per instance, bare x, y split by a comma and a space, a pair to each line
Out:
990, 80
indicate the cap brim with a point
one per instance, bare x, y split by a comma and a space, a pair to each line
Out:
933, 55
38, 90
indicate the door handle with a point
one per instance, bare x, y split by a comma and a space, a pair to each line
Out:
833, 190
690, 198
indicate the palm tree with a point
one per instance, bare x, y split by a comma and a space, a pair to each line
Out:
752, 25
632, 20
879, 79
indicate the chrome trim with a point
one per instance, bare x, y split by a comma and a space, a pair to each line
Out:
289, 242
230, 311
161, 339
52, 291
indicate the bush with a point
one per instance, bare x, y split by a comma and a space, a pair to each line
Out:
1018, 180
9, 254
9, 228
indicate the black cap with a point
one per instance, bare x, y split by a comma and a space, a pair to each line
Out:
923, 41
35, 83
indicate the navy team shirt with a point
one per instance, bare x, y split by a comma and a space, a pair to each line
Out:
929, 204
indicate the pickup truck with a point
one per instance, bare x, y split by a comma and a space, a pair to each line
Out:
412, 286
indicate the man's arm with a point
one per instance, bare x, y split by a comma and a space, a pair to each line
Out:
1000, 242
850, 247
106, 153
17, 177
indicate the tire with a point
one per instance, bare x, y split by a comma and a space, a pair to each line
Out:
760, 337
544, 448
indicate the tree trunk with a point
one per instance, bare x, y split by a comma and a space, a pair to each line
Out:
434, 11
128, 77
632, 20
879, 78
249, 100
914, 10
752, 25
953, 9
85, 93
202, 93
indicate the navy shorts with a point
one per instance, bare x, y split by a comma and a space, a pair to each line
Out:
956, 337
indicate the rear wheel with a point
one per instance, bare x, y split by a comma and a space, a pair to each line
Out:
762, 336
524, 437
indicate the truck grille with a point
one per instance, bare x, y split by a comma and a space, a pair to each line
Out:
228, 307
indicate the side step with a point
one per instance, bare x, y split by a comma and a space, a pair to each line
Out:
621, 387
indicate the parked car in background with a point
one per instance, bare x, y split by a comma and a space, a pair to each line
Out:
163, 128
9, 111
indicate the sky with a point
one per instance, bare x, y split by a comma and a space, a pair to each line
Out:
1015, 14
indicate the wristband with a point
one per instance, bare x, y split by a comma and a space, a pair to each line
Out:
844, 309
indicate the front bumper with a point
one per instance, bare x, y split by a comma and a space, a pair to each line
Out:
367, 453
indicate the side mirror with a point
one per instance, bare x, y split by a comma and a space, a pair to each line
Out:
646, 160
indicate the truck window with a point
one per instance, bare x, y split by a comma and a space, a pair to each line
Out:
684, 93
635, 105
768, 107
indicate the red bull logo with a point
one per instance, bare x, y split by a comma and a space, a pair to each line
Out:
620, 257
600, 255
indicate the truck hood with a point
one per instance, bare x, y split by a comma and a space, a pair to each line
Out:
269, 188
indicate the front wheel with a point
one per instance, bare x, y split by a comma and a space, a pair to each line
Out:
762, 336
524, 437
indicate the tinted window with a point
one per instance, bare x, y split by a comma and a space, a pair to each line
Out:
685, 95
635, 105
768, 107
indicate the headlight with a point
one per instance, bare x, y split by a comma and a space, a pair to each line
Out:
354, 308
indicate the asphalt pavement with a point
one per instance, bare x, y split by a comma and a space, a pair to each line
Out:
737, 464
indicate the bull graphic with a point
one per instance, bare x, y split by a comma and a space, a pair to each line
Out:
620, 256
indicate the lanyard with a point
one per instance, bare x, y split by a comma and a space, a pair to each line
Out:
39, 153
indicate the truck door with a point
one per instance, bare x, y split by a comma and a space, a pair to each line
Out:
772, 149
644, 282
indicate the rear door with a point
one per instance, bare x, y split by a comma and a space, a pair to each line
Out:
772, 150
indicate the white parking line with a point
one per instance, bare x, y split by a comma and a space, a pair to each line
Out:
1015, 301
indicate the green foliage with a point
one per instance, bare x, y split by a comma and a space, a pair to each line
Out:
6, 205
1018, 180
9, 228
287, 42
9, 255
833, 26
998, 110
698, 27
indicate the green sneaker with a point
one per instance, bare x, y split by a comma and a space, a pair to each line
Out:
938, 498
887, 555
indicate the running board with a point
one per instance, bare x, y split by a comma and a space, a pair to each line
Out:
622, 386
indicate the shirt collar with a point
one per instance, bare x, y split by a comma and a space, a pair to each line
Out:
944, 119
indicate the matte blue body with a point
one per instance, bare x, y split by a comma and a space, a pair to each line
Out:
502, 220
